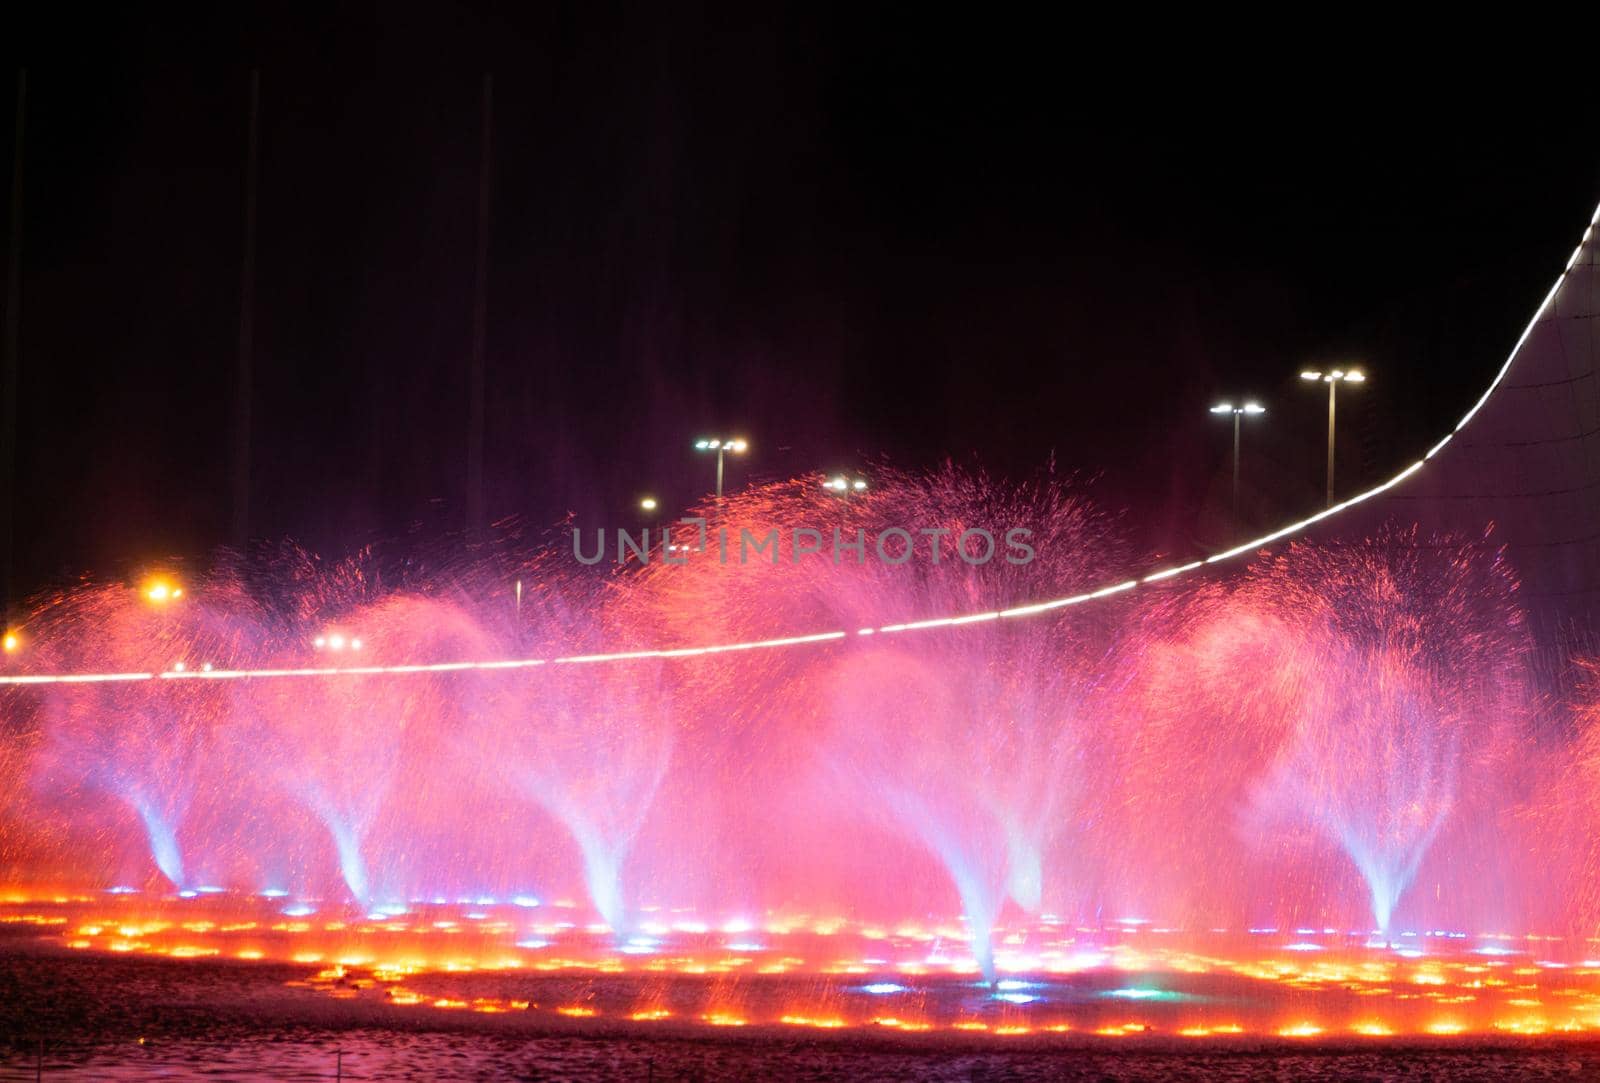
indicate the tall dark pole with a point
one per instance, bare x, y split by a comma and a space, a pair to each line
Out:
480, 311
1236, 467
240, 532
1331, 385
8, 373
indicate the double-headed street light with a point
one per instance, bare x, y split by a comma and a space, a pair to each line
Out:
721, 447
844, 486
1252, 409
1333, 379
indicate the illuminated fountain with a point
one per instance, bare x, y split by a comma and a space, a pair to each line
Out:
591, 747
148, 746
1174, 798
1406, 656
975, 754
1012, 799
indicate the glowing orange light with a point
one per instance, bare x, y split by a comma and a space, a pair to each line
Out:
805, 1021
11, 642
161, 590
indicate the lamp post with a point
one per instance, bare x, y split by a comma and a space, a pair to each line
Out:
721, 447
1253, 409
1333, 378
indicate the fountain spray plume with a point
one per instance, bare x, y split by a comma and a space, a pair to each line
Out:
1406, 658
147, 744
971, 744
354, 749
589, 744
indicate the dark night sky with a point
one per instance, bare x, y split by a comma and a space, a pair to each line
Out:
847, 240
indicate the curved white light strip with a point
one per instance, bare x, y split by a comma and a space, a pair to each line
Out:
822, 637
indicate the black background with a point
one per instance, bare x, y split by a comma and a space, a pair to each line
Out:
850, 239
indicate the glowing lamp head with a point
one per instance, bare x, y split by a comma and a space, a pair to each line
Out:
1311, 374
1222, 408
737, 446
703, 445
1355, 377
1254, 408
859, 484
11, 643
648, 503
161, 590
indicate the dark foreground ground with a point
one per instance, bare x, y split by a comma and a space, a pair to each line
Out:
91, 1017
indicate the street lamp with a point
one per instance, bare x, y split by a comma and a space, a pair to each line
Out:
12, 642
1333, 378
844, 486
648, 503
721, 447
1252, 409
